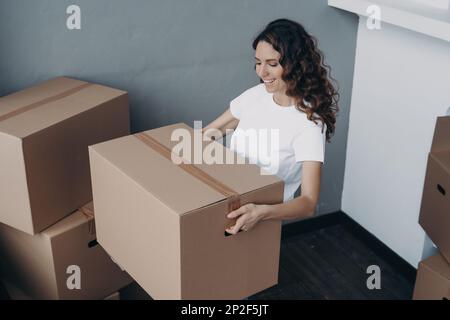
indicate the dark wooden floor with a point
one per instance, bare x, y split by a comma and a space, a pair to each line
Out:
3, 293
331, 263
326, 263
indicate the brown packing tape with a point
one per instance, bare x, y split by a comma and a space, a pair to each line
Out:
45, 101
233, 198
89, 214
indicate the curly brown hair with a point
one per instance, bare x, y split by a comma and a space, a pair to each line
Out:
306, 75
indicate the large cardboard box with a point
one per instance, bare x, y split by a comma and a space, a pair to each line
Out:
433, 279
165, 223
63, 262
435, 207
44, 134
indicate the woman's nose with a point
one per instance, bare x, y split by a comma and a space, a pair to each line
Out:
262, 71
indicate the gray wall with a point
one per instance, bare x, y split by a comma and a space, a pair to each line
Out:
180, 60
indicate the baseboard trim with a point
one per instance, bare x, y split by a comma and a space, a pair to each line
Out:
341, 218
312, 224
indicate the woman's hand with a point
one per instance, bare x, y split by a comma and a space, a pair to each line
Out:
247, 216
221, 124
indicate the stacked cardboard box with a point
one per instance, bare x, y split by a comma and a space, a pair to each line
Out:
433, 279
173, 216
45, 132
62, 262
435, 215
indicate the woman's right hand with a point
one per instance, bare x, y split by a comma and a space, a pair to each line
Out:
222, 123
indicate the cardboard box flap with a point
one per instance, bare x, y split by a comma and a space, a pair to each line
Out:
170, 183
441, 136
42, 91
438, 264
81, 216
33, 109
443, 158
238, 176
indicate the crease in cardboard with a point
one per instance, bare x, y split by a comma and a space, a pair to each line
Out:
53, 274
443, 158
27, 181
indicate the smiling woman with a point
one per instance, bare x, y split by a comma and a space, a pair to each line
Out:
296, 98
270, 71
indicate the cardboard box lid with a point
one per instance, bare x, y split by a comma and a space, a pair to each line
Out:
33, 109
438, 265
441, 136
171, 184
79, 217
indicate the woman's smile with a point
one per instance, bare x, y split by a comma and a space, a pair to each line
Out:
268, 68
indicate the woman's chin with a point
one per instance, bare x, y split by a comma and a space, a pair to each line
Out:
269, 88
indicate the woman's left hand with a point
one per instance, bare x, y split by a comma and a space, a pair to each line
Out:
247, 216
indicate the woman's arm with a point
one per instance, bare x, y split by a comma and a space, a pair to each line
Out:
222, 123
303, 206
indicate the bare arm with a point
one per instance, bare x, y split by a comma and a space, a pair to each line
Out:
222, 123
303, 206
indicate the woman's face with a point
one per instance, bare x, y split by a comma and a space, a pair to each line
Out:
268, 68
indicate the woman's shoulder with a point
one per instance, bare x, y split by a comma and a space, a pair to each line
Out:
249, 97
306, 125
255, 91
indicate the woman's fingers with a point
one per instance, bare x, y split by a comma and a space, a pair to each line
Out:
237, 212
235, 229
242, 220
239, 225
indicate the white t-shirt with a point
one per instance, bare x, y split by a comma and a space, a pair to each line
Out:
274, 137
